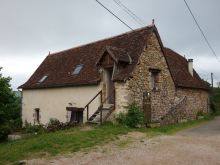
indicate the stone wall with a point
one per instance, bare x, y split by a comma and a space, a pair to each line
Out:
122, 96
162, 97
197, 100
177, 113
165, 99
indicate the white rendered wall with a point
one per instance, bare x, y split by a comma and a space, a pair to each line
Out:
53, 102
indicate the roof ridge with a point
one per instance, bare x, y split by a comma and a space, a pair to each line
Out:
169, 49
101, 40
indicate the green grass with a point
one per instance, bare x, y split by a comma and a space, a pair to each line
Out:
171, 129
72, 140
67, 141
215, 99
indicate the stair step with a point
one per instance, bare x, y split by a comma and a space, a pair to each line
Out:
106, 109
93, 122
108, 105
97, 112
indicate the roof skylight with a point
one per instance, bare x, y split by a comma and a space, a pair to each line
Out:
77, 69
43, 79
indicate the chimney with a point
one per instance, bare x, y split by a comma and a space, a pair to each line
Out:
190, 66
152, 21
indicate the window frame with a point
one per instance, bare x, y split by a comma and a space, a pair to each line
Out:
77, 69
154, 78
43, 79
37, 115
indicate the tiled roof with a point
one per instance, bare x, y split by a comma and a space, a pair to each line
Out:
59, 66
178, 66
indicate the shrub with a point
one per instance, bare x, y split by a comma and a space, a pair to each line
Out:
29, 128
54, 124
10, 108
133, 118
213, 106
121, 118
4, 131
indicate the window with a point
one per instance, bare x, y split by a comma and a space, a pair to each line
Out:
77, 69
37, 115
154, 78
43, 79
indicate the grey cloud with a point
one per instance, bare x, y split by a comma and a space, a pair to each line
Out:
30, 28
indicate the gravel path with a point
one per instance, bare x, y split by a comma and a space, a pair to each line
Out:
196, 146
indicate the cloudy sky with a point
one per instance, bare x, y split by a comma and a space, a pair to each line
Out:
29, 29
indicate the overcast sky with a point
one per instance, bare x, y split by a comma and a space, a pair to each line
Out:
29, 29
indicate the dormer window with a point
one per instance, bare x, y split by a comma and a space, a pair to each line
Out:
43, 79
77, 69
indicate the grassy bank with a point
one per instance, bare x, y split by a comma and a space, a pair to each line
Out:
215, 99
66, 141
75, 139
172, 129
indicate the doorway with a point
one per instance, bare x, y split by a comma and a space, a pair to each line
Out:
147, 106
110, 90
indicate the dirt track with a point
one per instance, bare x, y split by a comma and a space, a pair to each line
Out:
196, 146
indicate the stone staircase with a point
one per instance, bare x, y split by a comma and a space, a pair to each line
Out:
176, 113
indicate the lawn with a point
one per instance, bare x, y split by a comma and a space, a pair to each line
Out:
75, 139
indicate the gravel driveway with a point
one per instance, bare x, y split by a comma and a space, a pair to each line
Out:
196, 146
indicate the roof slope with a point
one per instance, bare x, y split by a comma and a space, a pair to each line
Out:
178, 66
59, 66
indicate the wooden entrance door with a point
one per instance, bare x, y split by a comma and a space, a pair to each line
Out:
147, 106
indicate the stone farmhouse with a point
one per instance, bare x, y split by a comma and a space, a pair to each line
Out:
91, 83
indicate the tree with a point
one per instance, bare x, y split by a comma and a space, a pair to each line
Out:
10, 118
218, 84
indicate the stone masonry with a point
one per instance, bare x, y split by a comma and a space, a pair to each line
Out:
197, 101
162, 97
166, 95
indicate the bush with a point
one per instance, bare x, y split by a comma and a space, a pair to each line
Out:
213, 106
121, 118
29, 128
4, 131
54, 124
133, 118
10, 108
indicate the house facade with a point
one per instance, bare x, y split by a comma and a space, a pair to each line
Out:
91, 83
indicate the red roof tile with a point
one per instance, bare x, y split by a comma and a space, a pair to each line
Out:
58, 66
178, 66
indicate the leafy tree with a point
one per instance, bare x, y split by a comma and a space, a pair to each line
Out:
206, 83
10, 118
218, 84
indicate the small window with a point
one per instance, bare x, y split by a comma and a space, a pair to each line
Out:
37, 115
154, 78
77, 69
43, 79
